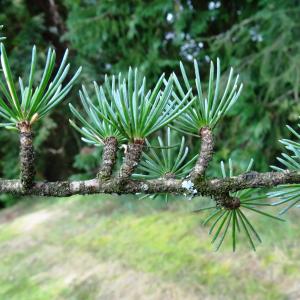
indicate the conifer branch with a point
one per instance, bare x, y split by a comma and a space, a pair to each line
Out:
212, 187
126, 111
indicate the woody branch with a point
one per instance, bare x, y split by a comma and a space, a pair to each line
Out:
210, 187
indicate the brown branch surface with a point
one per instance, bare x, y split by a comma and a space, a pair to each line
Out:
132, 158
27, 169
108, 158
218, 188
214, 187
206, 153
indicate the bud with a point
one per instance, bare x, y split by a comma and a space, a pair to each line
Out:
34, 118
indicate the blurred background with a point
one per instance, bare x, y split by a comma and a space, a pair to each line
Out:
260, 39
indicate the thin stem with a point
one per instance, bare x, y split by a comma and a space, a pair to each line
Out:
108, 158
27, 169
206, 153
132, 158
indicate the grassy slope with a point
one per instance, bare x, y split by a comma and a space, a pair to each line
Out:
106, 247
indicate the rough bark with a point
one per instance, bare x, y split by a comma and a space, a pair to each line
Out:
27, 169
213, 188
227, 201
132, 158
108, 158
219, 189
205, 155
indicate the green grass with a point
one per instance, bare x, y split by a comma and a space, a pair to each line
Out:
105, 246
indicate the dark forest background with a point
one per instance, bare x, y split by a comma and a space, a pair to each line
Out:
260, 39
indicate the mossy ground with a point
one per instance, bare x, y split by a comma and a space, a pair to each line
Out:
109, 247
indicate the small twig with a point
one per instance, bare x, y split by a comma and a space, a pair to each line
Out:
206, 153
108, 158
132, 157
27, 169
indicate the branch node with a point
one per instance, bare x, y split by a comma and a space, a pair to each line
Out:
227, 201
169, 175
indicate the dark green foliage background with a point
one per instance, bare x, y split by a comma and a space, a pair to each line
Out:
260, 39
